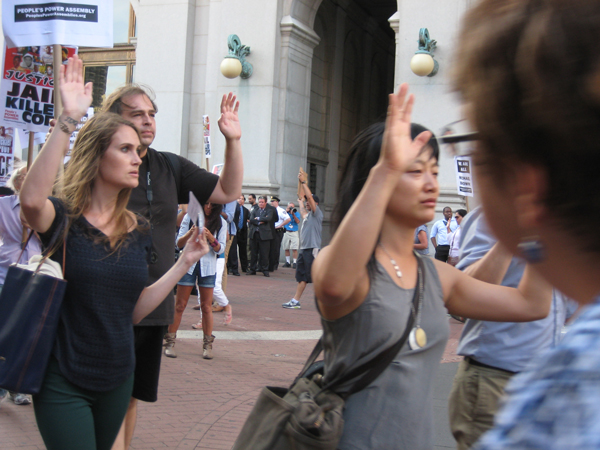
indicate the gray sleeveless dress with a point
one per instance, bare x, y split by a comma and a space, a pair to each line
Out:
395, 411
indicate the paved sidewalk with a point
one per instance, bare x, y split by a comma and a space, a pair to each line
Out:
202, 404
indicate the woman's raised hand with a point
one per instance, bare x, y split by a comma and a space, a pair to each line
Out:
76, 96
229, 123
398, 149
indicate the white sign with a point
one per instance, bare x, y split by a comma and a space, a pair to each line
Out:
464, 175
206, 126
27, 87
84, 119
86, 23
38, 138
195, 211
7, 156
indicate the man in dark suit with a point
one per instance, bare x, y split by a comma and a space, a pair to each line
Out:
253, 207
261, 236
240, 240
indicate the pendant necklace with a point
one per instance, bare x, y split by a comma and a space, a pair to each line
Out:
417, 338
394, 265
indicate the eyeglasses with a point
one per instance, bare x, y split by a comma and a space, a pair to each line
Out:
456, 138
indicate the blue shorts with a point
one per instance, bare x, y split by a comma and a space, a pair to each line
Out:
204, 282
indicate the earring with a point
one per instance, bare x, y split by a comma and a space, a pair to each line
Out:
532, 249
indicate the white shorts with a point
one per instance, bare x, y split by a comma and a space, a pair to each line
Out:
218, 294
290, 240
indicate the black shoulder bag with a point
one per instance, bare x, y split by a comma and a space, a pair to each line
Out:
30, 305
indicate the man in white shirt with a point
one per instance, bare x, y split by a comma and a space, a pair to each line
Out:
283, 219
439, 235
454, 237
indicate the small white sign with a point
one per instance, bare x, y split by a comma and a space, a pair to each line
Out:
464, 175
7, 156
206, 126
195, 211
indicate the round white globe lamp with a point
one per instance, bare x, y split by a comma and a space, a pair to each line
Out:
422, 64
231, 67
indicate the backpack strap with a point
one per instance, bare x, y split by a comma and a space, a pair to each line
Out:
175, 166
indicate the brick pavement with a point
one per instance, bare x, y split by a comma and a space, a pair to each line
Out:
202, 404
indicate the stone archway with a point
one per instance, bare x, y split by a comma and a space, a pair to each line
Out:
327, 83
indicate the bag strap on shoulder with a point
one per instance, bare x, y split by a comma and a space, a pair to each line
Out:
175, 167
374, 367
51, 248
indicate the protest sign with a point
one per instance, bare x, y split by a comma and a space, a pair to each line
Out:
84, 119
36, 22
38, 138
464, 175
206, 126
7, 155
218, 168
27, 87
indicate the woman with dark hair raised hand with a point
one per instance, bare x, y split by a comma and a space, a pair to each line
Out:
366, 278
88, 382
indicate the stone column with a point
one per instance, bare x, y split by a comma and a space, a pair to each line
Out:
297, 44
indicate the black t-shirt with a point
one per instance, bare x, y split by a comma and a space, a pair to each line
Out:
94, 340
163, 215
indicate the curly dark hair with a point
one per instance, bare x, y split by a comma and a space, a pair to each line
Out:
529, 72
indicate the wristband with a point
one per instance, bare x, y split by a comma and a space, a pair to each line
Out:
214, 243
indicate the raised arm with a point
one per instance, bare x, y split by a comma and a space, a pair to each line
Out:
307, 192
492, 267
465, 296
229, 186
340, 270
37, 187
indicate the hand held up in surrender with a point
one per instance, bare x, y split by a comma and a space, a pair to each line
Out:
229, 123
76, 96
397, 148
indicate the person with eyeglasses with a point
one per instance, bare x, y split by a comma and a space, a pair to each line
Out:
528, 73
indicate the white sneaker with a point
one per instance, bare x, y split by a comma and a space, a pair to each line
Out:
292, 304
